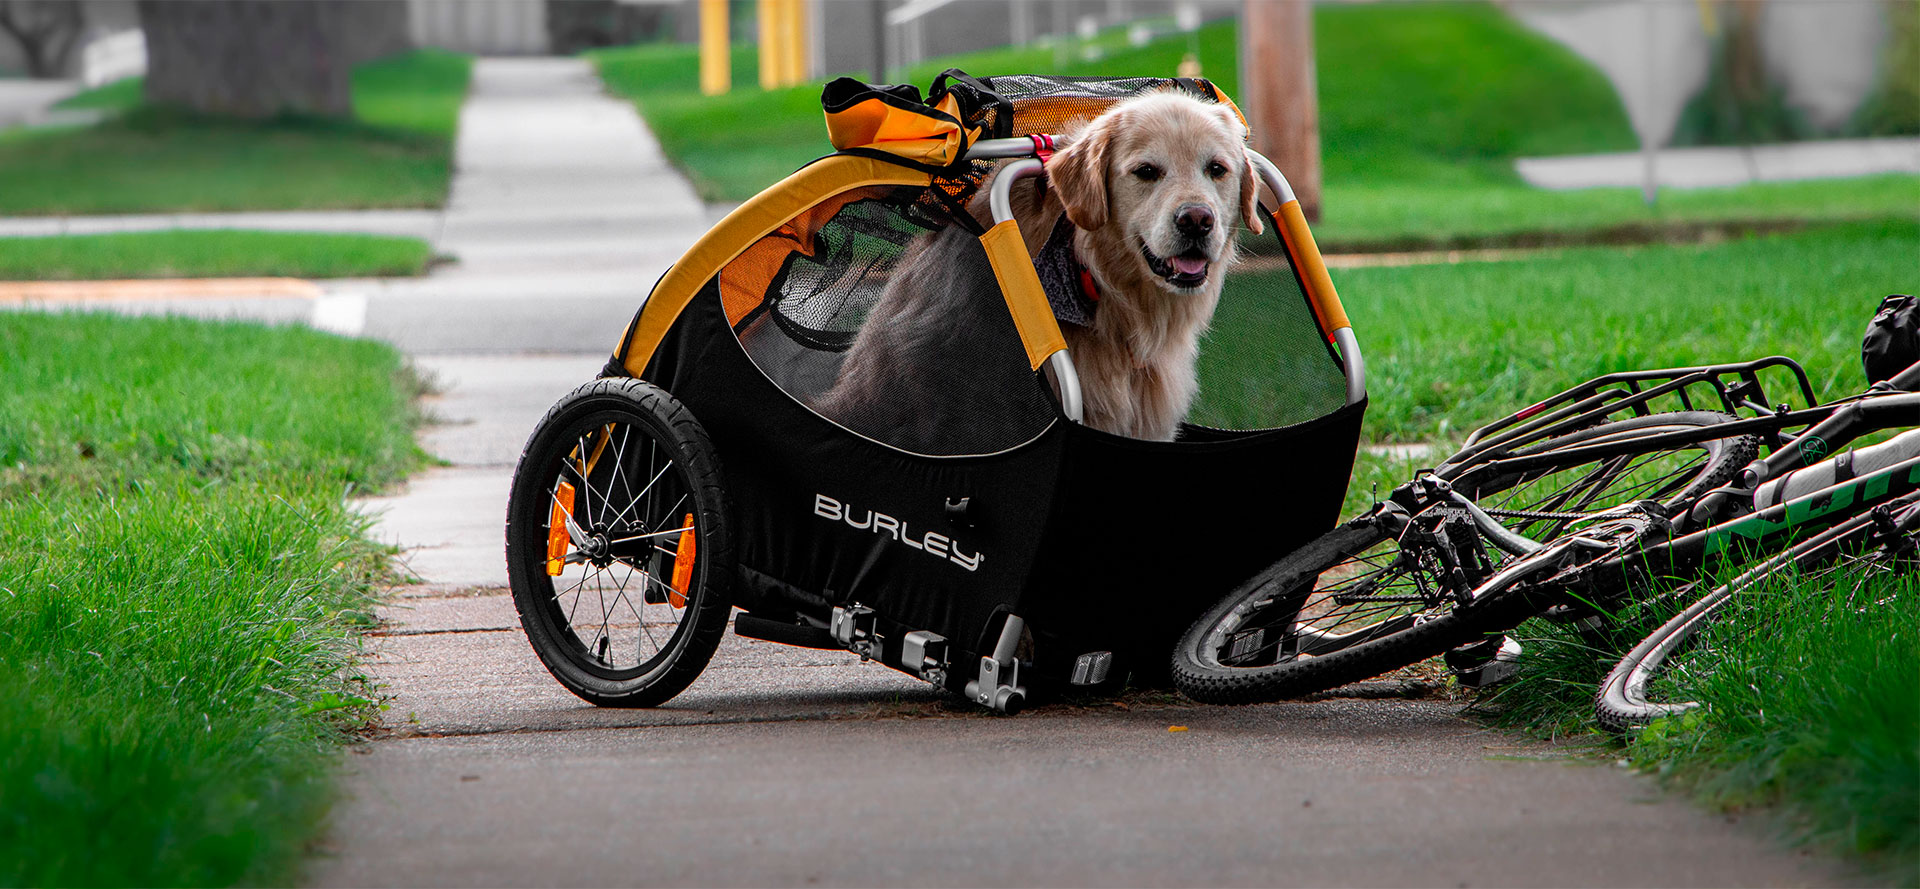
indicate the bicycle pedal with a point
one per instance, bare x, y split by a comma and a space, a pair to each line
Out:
1485, 663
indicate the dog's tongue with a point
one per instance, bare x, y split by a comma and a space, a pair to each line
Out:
1186, 266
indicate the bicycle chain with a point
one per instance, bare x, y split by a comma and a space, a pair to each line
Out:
1536, 514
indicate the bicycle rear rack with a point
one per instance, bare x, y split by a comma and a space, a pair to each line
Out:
1737, 387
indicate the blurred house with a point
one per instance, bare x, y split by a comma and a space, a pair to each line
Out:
1825, 55
482, 27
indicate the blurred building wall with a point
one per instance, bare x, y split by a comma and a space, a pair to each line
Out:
1825, 53
847, 26
483, 27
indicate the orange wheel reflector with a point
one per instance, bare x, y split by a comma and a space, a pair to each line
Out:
683, 556
557, 540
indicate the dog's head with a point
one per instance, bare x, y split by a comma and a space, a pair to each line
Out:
1169, 170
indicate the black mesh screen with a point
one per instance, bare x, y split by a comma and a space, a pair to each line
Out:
821, 300
882, 314
1045, 104
1264, 362
1016, 87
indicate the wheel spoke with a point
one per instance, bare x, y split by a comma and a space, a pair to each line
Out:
648, 493
648, 536
639, 618
586, 487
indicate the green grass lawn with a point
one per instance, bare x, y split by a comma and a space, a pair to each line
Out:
1810, 698
1423, 108
181, 583
211, 253
396, 152
1808, 705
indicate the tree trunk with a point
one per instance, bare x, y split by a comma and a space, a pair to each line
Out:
46, 31
260, 59
1279, 94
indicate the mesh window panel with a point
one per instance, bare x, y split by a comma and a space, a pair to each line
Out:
880, 312
1043, 104
1264, 362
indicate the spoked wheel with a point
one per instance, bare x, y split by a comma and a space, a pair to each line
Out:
1541, 503
1855, 552
1385, 590
617, 544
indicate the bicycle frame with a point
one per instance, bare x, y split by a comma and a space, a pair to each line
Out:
1691, 552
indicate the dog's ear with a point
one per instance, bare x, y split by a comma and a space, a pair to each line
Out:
1250, 199
1079, 174
1249, 180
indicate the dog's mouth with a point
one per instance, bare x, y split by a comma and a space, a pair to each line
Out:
1184, 270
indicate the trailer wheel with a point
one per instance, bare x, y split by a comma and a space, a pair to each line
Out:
618, 548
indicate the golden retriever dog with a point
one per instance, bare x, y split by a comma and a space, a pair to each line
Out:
1132, 235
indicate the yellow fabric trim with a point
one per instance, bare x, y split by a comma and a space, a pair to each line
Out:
743, 227
1313, 271
1020, 285
917, 137
1228, 101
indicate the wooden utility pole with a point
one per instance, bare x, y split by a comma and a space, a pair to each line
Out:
1279, 94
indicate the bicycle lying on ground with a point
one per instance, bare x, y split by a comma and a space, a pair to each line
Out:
1874, 538
1434, 570
1866, 549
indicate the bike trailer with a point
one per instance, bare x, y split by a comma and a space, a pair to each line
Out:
1015, 538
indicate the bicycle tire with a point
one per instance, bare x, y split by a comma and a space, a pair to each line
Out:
669, 567
1244, 675
1622, 704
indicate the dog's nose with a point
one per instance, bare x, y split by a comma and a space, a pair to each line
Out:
1193, 220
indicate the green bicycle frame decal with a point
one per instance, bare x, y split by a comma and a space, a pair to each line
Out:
1838, 499
1813, 449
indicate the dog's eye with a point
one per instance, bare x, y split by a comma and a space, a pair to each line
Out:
1147, 172
1216, 169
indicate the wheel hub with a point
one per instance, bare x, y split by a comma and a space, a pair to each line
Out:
597, 548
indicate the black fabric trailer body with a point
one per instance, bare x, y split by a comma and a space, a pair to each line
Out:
974, 497
1102, 543
796, 554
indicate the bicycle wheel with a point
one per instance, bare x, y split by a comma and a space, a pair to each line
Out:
1381, 591
1870, 544
617, 544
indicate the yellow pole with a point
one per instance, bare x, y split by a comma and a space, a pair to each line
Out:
716, 63
796, 36
767, 14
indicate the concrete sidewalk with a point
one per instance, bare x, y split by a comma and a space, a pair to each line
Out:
26, 102
1334, 793
1719, 167
423, 224
563, 212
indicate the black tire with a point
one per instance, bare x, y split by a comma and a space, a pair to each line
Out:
1859, 543
1394, 591
645, 633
